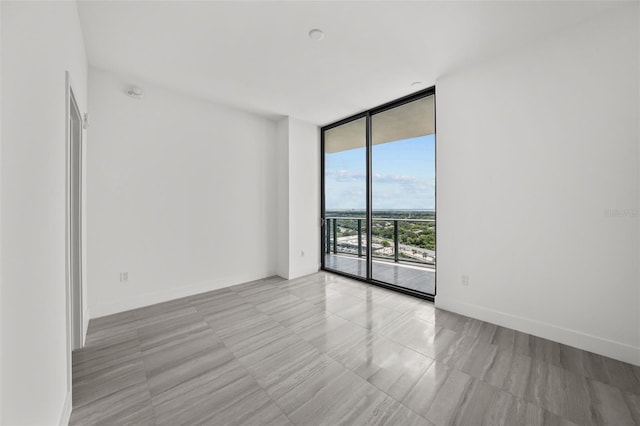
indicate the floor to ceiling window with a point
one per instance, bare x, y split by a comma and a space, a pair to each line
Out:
378, 181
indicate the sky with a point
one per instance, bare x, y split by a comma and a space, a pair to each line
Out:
403, 175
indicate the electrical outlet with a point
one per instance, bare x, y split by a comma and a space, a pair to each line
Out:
124, 277
464, 279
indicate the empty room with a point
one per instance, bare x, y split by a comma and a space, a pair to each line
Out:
319, 213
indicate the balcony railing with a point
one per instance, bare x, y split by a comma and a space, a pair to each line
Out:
348, 235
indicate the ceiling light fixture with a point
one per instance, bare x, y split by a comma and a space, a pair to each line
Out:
416, 84
135, 92
316, 34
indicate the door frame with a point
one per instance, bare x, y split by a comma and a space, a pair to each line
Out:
431, 91
74, 285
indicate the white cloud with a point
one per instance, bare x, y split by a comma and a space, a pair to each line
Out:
345, 175
346, 189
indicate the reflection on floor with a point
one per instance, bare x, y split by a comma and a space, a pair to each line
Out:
324, 349
408, 276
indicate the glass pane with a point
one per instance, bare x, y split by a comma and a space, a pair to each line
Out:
403, 195
345, 192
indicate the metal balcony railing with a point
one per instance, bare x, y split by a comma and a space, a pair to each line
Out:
352, 238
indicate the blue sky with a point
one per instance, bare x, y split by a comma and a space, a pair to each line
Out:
403, 176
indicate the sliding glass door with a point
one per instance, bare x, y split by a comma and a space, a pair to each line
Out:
379, 169
403, 195
345, 198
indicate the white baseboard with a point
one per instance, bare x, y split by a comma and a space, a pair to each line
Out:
146, 299
578, 339
66, 410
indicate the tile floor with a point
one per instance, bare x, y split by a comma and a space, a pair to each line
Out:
327, 350
414, 277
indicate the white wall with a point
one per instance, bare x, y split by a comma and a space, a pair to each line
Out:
282, 191
0, 215
181, 195
298, 160
638, 256
538, 188
40, 40
304, 198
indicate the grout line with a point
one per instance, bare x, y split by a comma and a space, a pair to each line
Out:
244, 367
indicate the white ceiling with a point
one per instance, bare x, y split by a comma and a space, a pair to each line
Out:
257, 55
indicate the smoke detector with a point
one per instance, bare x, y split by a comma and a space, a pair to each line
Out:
135, 92
316, 34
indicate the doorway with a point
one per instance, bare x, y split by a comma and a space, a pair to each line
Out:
74, 219
378, 195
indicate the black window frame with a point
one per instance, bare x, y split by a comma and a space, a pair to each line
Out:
431, 91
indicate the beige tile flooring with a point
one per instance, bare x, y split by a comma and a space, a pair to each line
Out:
324, 349
415, 277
